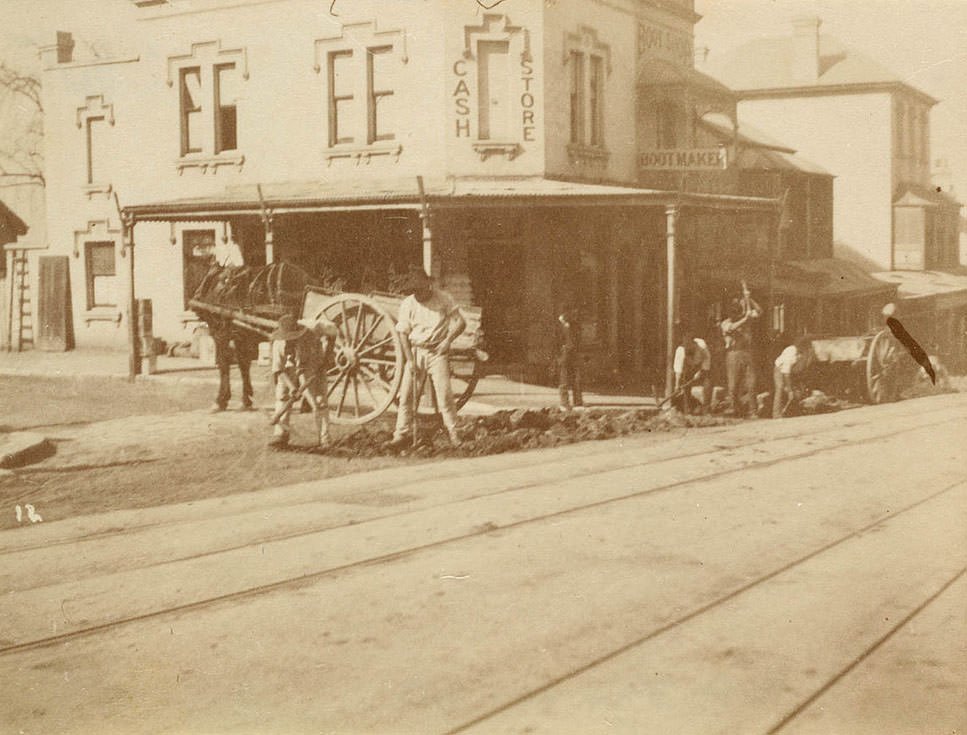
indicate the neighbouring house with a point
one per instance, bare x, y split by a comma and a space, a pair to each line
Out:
871, 130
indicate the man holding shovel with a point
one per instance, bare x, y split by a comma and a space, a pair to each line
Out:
788, 366
299, 368
428, 322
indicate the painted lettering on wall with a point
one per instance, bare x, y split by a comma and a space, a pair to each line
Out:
527, 101
665, 43
693, 159
461, 99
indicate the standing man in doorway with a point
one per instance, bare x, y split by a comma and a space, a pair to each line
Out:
739, 362
428, 322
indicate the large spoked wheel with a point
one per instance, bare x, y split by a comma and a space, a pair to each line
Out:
367, 359
882, 368
465, 371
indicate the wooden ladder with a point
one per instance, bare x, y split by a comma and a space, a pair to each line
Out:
23, 307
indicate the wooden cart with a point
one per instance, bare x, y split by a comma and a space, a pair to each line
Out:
366, 365
870, 366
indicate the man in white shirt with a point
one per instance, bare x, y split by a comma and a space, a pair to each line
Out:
692, 365
428, 322
790, 363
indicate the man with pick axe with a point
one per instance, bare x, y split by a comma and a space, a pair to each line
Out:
299, 351
428, 322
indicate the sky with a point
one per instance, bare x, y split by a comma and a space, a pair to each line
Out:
922, 41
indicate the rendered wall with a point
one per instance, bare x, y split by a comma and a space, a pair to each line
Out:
849, 136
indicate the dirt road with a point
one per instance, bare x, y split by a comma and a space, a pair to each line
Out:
804, 576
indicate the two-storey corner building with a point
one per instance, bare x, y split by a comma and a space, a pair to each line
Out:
870, 129
502, 148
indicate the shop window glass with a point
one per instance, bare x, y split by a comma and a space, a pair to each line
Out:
198, 249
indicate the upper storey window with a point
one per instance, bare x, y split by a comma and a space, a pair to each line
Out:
209, 88
588, 62
95, 120
362, 68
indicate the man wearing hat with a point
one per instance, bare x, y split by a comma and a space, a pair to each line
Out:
428, 322
299, 367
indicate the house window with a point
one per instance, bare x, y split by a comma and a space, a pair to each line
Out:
494, 89
341, 98
198, 249
101, 278
577, 97
380, 106
924, 136
95, 129
191, 110
597, 101
668, 117
226, 95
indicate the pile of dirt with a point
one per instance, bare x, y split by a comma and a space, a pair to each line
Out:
510, 431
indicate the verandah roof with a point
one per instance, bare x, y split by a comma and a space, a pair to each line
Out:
324, 196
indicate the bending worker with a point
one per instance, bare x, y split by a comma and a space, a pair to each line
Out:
790, 364
693, 366
299, 369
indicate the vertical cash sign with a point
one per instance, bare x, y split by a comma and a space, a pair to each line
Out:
461, 98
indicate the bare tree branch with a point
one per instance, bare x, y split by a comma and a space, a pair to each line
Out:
21, 158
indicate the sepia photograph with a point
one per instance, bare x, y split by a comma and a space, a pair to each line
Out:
539, 367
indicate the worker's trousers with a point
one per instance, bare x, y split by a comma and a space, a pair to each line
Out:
437, 369
740, 372
315, 391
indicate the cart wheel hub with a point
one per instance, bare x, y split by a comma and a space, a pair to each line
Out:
346, 358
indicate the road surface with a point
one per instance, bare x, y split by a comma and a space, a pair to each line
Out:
798, 576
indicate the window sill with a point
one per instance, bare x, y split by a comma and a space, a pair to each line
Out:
587, 154
364, 153
487, 148
209, 163
102, 314
91, 189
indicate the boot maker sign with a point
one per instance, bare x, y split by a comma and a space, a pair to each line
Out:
687, 159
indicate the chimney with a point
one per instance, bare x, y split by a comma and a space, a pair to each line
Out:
805, 45
65, 47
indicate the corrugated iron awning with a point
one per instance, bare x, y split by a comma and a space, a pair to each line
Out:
822, 278
322, 196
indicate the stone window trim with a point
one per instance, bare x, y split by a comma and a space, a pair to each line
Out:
209, 163
585, 40
354, 37
495, 27
364, 154
94, 108
218, 56
98, 231
487, 148
351, 34
587, 155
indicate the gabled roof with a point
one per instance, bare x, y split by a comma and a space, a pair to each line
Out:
767, 63
11, 226
915, 195
658, 72
746, 134
772, 160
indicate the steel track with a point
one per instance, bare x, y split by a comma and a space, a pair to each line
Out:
309, 578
